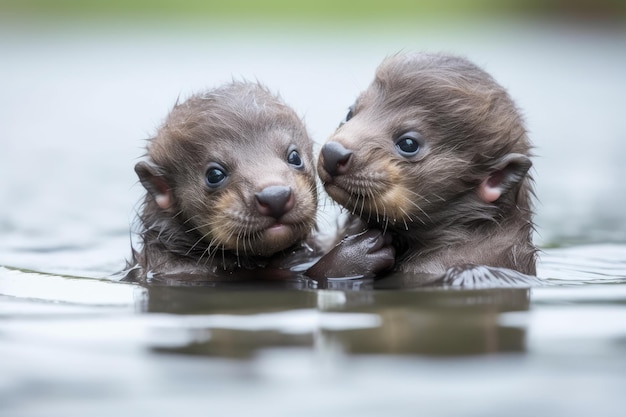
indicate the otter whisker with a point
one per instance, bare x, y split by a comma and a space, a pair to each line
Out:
212, 249
362, 206
197, 242
417, 206
370, 195
418, 196
406, 226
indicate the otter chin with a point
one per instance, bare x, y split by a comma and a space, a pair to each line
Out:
275, 238
266, 241
435, 153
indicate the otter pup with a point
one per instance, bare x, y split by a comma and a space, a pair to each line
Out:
231, 188
435, 153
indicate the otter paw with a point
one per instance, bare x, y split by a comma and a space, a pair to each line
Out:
363, 255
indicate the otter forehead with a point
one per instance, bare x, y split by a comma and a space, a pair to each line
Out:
431, 72
242, 117
213, 117
432, 82
449, 100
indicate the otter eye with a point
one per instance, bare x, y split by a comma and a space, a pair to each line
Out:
348, 116
294, 159
350, 113
409, 144
215, 176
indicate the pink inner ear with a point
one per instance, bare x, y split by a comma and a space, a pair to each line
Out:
164, 196
489, 190
164, 201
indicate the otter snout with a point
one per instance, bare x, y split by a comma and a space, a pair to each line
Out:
275, 201
337, 158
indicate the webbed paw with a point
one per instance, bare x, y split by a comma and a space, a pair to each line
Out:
362, 255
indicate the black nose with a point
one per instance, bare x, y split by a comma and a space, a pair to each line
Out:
274, 201
336, 158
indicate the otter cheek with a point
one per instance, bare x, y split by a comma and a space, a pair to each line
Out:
336, 193
306, 199
396, 203
220, 228
394, 199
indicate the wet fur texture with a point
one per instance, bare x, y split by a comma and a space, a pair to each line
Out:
433, 204
248, 132
192, 230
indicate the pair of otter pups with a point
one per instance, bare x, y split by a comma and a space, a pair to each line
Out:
231, 193
433, 158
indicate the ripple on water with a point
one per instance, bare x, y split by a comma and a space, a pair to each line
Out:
593, 264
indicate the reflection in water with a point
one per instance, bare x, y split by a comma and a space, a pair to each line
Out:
432, 322
284, 342
240, 319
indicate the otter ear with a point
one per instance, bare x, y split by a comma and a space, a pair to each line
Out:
506, 173
151, 177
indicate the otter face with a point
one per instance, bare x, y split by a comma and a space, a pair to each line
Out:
255, 201
429, 132
383, 170
235, 167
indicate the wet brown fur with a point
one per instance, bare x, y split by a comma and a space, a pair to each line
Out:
249, 132
429, 203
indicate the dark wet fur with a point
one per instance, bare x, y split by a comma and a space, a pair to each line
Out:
170, 242
469, 123
191, 232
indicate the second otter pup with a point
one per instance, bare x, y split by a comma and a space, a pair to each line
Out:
231, 188
435, 153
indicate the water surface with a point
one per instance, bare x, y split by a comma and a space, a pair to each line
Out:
76, 104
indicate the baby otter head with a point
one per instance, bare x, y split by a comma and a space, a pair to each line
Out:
433, 140
233, 169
